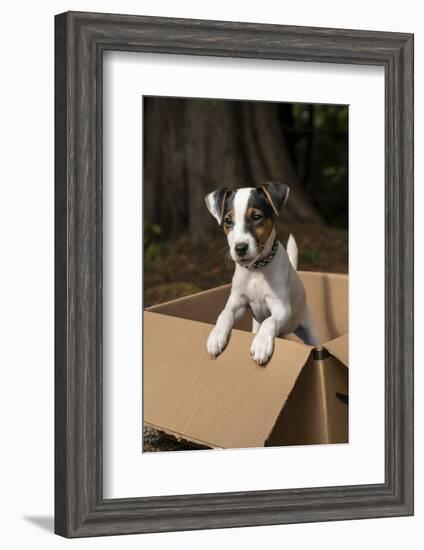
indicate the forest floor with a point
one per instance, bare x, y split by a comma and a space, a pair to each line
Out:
182, 267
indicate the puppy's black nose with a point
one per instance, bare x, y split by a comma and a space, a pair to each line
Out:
241, 249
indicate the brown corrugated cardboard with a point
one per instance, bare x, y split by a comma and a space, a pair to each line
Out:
300, 397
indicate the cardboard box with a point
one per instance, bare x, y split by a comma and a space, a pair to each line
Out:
298, 398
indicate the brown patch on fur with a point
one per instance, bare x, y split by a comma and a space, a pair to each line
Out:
262, 231
228, 214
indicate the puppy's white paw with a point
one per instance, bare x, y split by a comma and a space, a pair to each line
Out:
262, 348
216, 343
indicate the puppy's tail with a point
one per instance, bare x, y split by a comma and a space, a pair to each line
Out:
292, 251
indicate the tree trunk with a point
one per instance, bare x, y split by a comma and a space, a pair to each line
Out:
193, 146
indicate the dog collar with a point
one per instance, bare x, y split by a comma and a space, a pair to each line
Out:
265, 261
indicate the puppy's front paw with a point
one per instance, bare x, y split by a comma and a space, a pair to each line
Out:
262, 348
216, 343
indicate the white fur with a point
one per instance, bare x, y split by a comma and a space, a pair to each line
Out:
210, 204
239, 233
274, 294
292, 251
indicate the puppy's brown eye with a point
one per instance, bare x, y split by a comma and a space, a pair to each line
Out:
257, 217
228, 222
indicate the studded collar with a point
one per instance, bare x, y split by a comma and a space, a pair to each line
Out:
265, 261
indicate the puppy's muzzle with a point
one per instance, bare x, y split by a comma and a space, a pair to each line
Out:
241, 249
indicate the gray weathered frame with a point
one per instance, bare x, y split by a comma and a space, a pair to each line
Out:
80, 40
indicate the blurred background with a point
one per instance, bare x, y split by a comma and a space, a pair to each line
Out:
194, 146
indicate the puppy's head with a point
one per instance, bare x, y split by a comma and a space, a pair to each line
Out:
247, 217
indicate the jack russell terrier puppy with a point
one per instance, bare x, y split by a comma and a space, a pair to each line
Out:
265, 280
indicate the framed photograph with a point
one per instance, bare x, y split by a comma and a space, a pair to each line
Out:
234, 274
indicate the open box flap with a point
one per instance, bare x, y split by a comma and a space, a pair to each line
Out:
339, 348
229, 402
326, 296
204, 306
316, 411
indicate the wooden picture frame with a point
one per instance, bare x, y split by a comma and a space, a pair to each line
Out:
80, 40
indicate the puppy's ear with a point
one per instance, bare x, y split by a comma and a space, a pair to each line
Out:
215, 203
276, 194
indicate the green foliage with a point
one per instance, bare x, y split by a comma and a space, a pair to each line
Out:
311, 257
152, 243
318, 143
169, 291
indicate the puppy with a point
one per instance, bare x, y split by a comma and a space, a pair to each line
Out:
265, 280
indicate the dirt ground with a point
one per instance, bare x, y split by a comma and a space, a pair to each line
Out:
182, 267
